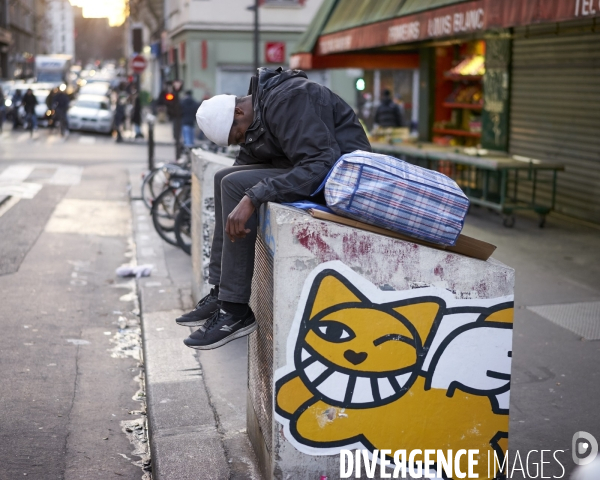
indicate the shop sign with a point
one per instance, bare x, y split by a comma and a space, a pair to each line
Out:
442, 22
587, 8
182, 52
512, 13
459, 22
453, 20
275, 52
164, 42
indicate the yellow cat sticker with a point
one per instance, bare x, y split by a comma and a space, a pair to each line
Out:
414, 369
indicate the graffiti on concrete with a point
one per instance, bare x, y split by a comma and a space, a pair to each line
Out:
208, 228
369, 368
266, 231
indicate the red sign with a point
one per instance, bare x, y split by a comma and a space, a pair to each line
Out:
138, 64
275, 52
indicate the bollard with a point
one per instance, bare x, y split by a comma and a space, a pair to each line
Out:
367, 342
150, 119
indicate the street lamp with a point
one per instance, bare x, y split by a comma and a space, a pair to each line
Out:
256, 33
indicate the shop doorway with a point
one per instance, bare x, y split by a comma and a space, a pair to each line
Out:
234, 80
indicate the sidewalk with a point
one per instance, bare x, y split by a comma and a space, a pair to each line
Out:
196, 400
163, 134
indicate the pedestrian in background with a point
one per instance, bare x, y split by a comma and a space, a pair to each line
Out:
136, 115
189, 107
119, 118
29, 104
50, 107
388, 113
17, 99
61, 107
2, 108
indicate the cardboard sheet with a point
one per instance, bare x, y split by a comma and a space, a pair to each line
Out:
468, 246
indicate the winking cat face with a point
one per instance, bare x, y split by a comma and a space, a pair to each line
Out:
356, 353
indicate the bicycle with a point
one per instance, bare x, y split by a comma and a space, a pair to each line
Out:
166, 206
155, 181
183, 227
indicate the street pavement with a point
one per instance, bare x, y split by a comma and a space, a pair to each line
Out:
70, 361
555, 382
70, 354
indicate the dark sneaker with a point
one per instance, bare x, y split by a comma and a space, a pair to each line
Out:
222, 328
203, 311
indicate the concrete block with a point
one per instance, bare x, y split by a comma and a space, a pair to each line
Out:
369, 342
204, 167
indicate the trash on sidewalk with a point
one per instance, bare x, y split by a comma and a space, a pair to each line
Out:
134, 271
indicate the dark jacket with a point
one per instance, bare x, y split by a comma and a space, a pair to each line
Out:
119, 117
189, 107
388, 114
136, 112
61, 101
298, 124
29, 103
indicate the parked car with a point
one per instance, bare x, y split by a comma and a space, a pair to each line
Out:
91, 112
39, 89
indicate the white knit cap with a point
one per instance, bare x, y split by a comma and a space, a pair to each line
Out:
215, 117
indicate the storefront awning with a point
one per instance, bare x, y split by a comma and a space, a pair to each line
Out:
343, 26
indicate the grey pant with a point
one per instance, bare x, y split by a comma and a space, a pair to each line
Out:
232, 263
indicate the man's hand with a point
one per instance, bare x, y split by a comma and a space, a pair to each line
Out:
236, 221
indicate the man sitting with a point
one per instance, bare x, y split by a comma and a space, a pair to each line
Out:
291, 132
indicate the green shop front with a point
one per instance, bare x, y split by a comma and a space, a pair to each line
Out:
507, 96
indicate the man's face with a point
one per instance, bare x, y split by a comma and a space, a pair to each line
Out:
242, 118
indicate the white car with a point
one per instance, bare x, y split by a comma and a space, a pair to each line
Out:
95, 88
91, 112
41, 109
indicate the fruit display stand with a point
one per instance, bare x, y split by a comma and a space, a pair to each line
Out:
459, 98
494, 180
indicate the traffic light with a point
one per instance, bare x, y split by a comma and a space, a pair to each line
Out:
169, 97
360, 84
137, 40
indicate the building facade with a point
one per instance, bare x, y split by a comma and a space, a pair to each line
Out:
61, 27
96, 40
209, 45
22, 36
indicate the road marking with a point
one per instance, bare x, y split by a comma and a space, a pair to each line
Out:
8, 204
90, 217
23, 137
66, 175
16, 173
23, 190
56, 138
87, 140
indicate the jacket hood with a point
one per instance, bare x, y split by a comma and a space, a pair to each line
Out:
269, 79
261, 84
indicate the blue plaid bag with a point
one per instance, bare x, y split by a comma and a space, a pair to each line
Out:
390, 193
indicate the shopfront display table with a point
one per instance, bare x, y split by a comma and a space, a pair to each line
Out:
496, 180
